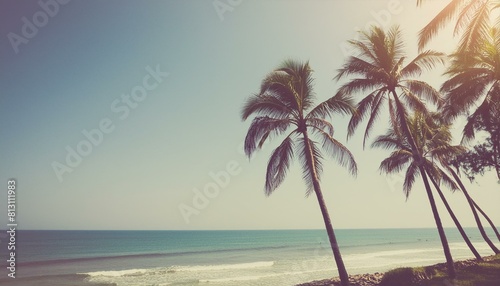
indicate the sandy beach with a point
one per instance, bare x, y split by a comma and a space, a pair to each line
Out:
427, 273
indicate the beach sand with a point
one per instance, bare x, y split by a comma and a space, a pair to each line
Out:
374, 279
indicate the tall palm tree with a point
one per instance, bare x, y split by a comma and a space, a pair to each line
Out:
437, 135
285, 104
472, 21
474, 86
434, 140
431, 144
380, 72
433, 137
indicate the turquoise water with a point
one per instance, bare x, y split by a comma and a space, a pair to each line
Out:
270, 257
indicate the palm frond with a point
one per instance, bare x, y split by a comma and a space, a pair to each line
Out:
278, 85
363, 47
300, 82
359, 85
318, 124
356, 66
412, 101
412, 173
339, 152
424, 90
265, 105
278, 165
374, 115
465, 16
395, 162
477, 29
390, 141
361, 111
439, 22
460, 99
426, 60
312, 167
339, 103
260, 130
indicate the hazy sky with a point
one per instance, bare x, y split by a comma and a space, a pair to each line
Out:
164, 82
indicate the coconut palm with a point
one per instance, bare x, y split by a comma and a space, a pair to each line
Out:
380, 72
285, 104
474, 86
472, 21
432, 143
435, 137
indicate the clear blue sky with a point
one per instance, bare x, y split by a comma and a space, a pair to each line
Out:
78, 68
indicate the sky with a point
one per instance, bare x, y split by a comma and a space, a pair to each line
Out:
126, 115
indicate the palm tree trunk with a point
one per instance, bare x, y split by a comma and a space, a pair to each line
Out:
455, 220
474, 212
344, 277
487, 218
439, 225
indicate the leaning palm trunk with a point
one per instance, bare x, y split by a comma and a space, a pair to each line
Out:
455, 220
487, 218
344, 277
449, 260
472, 205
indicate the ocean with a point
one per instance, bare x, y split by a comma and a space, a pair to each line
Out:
246, 257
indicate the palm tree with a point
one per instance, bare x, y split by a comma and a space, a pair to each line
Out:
474, 85
285, 104
473, 18
437, 136
434, 140
433, 137
432, 144
380, 73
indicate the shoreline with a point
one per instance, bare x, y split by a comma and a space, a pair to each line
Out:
374, 279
